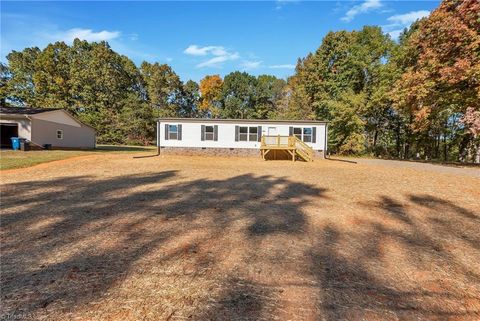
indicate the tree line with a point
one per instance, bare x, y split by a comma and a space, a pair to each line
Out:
416, 97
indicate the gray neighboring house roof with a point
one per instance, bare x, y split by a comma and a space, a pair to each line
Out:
24, 110
34, 111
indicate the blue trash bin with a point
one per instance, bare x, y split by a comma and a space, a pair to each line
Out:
15, 143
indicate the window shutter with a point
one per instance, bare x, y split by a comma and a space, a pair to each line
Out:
314, 135
179, 135
202, 132
166, 131
290, 131
215, 133
259, 133
237, 130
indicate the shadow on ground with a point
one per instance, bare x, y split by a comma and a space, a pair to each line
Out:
404, 263
68, 241
231, 249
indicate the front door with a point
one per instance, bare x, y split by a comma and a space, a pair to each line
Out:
272, 131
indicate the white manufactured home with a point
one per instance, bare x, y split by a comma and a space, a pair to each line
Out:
270, 138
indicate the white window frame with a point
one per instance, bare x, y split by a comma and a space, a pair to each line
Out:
59, 131
307, 135
170, 132
302, 134
248, 134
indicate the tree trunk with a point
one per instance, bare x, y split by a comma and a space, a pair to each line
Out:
477, 151
398, 141
375, 136
445, 148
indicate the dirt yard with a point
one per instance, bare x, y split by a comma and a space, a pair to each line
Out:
112, 237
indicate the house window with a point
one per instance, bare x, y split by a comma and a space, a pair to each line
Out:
307, 135
297, 131
209, 133
253, 134
303, 133
173, 132
59, 134
248, 134
243, 134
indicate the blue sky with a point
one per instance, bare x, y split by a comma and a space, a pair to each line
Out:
201, 38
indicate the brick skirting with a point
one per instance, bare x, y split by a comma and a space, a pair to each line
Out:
212, 151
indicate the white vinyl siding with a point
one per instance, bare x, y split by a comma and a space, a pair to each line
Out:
236, 134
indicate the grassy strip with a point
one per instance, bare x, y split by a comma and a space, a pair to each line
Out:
10, 159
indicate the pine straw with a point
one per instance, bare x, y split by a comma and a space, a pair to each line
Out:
110, 237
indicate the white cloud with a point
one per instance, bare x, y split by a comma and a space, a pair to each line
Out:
133, 36
218, 55
216, 62
285, 66
84, 34
251, 64
364, 7
20, 31
401, 21
195, 50
408, 18
279, 4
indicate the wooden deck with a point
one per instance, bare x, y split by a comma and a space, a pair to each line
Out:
291, 145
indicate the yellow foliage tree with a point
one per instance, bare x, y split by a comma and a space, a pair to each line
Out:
210, 90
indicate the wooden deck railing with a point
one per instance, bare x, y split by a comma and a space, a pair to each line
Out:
278, 141
291, 144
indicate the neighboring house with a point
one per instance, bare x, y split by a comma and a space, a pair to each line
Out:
45, 126
241, 136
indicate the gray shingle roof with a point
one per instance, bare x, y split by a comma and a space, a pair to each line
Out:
24, 110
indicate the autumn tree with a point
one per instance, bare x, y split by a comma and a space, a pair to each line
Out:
189, 99
293, 102
471, 121
163, 87
268, 92
347, 72
442, 77
21, 89
210, 90
4, 79
52, 76
238, 95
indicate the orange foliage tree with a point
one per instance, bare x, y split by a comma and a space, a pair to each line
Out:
443, 76
210, 90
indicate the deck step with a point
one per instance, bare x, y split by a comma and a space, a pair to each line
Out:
303, 155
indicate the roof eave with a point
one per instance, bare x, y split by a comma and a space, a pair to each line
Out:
229, 120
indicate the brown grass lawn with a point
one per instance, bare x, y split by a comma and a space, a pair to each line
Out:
112, 237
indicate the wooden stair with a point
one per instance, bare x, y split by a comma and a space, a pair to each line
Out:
295, 148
